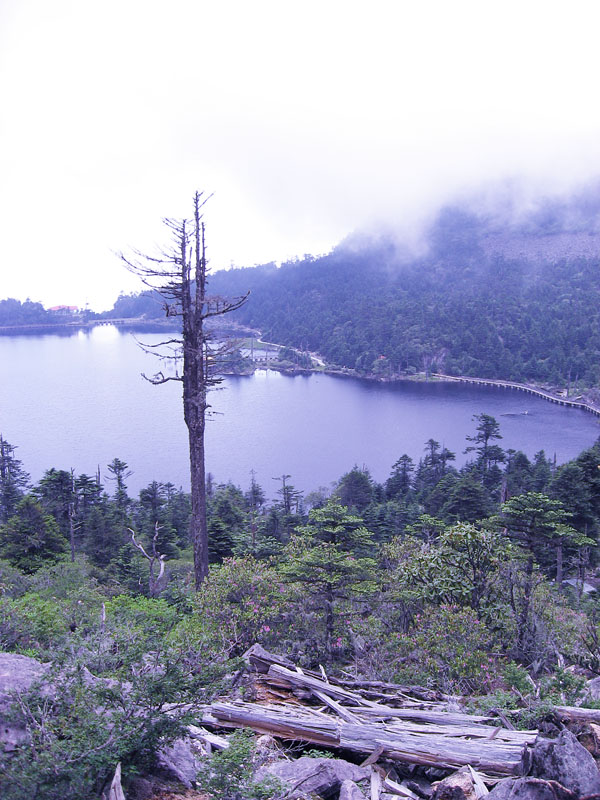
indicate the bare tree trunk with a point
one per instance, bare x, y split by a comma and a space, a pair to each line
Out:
180, 278
198, 524
559, 565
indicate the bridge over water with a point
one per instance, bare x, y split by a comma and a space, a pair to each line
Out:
522, 387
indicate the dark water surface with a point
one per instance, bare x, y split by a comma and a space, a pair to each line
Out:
79, 401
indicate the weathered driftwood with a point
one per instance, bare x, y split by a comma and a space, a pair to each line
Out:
439, 746
577, 714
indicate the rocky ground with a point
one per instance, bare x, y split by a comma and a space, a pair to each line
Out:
397, 762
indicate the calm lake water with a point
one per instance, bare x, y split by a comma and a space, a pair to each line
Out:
79, 401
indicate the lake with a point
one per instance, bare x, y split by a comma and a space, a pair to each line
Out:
79, 401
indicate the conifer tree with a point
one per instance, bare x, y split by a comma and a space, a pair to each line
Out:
13, 480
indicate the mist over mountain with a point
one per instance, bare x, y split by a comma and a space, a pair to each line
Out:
492, 286
497, 289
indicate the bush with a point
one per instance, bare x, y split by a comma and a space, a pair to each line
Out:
81, 729
448, 647
229, 773
240, 603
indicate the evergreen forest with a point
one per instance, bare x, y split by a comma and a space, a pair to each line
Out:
476, 581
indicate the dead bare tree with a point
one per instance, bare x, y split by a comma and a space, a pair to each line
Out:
155, 582
179, 275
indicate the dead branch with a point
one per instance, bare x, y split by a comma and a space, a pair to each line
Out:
155, 583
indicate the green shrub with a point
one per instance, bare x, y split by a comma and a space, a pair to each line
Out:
82, 729
240, 603
449, 648
562, 687
517, 677
229, 773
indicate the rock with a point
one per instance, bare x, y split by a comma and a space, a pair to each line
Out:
458, 786
350, 791
320, 776
590, 738
17, 674
179, 761
419, 786
530, 789
566, 761
592, 691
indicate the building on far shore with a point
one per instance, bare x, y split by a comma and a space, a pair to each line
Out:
65, 309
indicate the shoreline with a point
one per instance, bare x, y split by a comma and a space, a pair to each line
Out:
158, 325
499, 383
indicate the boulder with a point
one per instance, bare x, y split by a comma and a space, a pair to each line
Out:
590, 738
140, 788
17, 674
458, 786
320, 776
567, 762
350, 791
179, 761
592, 691
530, 789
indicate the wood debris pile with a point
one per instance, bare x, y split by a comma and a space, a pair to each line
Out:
403, 724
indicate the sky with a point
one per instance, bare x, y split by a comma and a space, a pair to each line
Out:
306, 121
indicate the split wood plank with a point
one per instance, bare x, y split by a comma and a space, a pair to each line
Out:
331, 703
307, 681
481, 789
373, 757
399, 788
376, 784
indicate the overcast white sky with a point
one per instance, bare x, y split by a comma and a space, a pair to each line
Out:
306, 119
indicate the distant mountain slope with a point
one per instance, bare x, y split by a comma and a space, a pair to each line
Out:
517, 300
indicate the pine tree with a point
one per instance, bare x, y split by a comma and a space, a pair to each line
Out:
13, 480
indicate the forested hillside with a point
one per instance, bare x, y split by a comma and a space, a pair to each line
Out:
510, 299
450, 579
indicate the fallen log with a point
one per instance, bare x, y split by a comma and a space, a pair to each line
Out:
447, 747
309, 726
360, 706
491, 756
578, 714
425, 736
